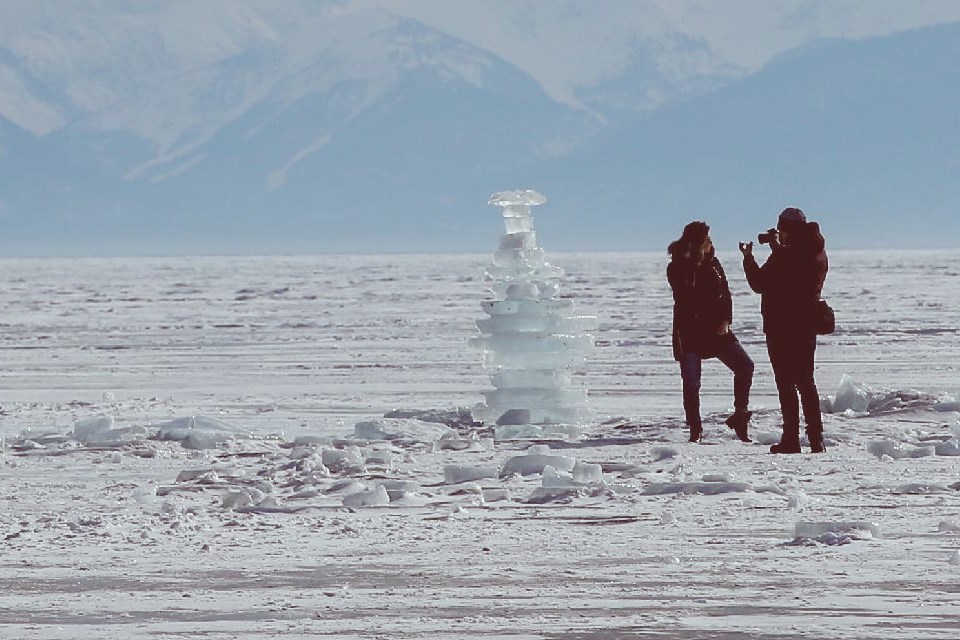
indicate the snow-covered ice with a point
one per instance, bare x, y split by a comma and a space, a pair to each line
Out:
275, 447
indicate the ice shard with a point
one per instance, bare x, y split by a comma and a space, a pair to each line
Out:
533, 340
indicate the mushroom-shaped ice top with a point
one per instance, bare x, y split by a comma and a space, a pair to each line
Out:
514, 198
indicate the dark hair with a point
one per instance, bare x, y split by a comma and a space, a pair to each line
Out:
694, 233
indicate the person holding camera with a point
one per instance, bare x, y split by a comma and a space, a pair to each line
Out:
790, 283
702, 313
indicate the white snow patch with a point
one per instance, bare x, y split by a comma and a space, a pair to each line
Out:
530, 464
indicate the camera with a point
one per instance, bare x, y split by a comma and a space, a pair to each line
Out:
767, 236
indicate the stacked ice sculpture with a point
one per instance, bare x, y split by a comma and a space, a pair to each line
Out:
532, 340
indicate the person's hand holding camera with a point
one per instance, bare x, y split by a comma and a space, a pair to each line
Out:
768, 237
771, 237
746, 248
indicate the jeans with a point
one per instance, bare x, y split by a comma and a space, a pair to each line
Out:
730, 353
792, 359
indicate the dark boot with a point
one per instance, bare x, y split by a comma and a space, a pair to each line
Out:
739, 421
785, 447
696, 432
789, 440
817, 444
814, 427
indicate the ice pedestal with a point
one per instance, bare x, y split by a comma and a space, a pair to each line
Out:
532, 340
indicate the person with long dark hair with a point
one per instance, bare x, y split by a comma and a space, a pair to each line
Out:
702, 314
790, 283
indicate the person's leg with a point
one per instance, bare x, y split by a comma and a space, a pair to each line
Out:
690, 373
783, 360
736, 359
809, 396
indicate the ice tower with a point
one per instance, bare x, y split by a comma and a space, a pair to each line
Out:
532, 340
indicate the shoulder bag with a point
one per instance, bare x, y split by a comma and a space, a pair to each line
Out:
824, 319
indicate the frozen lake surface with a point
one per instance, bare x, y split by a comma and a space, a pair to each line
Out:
297, 343
146, 538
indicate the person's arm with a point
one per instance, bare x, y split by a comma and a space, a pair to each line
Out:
751, 269
726, 301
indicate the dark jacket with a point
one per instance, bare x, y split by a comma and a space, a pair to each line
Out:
701, 302
790, 282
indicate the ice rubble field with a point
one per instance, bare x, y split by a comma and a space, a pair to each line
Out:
199, 448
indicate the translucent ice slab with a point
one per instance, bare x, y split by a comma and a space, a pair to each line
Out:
527, 307
531, 379
518, 242
525, 343
547, 290
535, 360
814, 529
538, 415
509, 199
553, 398
536, 324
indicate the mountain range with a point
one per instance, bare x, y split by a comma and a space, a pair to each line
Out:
263, 127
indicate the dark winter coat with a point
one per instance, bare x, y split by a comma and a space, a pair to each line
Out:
790, 282
701, 303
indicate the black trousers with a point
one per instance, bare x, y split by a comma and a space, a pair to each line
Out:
792, 358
